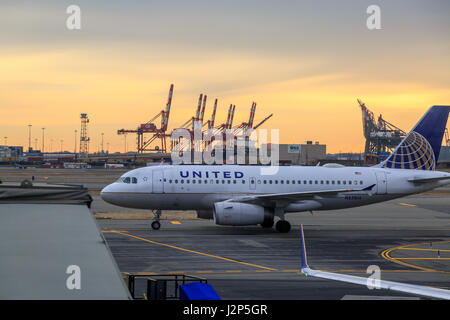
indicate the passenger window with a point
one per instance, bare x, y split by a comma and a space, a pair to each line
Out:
223, 181
187, 180
349, 182
321, 181
193, 181
328, 182
217, 181
181, 181
332, 181
229, 181
287, 181
339, 182
243, 181
276, 181
234, 181
355, 182
293, 181
259, 181
343, 182
282, 181
316, 182
270, 181
310, 181
176, 181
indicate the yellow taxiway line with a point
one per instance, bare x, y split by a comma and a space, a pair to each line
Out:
386, 255
192, 251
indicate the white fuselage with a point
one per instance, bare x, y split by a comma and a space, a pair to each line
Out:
198, 187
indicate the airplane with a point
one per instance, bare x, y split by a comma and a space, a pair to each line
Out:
241, 195
369, 282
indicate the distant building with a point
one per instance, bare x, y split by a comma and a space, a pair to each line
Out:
299, 154
444, 157
10, 153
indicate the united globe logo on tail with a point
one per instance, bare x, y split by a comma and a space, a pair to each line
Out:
414, 152
421, 147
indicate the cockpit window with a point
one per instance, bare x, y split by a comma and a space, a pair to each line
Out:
124, 180
134, 180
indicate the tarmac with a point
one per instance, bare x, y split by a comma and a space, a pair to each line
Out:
407, 238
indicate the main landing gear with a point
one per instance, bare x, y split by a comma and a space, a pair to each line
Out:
283, 226
156, 224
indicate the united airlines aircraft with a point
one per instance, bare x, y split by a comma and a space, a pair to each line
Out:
244, 195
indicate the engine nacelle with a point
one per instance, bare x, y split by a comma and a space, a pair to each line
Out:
205, 214
240, 214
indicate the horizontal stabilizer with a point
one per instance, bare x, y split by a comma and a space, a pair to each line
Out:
427, 180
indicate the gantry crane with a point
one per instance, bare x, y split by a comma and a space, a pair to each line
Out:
381, 136
150, 127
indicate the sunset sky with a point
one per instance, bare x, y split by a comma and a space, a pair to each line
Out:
305, 61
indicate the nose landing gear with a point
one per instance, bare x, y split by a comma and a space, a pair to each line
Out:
156, 224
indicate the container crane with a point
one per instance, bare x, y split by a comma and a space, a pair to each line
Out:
150, 127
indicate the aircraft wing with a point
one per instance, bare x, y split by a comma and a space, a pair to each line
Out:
296, 196
382, 284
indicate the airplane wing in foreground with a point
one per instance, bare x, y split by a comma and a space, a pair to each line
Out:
382, 284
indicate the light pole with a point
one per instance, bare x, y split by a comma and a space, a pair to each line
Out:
43, 140
75, 148
62, 145
35, 143
6, 141
102, 143
29, 137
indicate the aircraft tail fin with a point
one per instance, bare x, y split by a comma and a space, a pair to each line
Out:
421, 147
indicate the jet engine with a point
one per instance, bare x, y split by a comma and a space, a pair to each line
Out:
241, 214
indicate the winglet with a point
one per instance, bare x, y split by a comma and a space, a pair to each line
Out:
303, 249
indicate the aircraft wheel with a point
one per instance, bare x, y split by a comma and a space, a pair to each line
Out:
267, 224
156, 225
283, 226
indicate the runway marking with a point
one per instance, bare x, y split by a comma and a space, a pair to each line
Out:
436, 258
196, 252
386, 255
423, 249
175, 222
407, 204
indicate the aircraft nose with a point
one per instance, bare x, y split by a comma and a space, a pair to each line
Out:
105, 194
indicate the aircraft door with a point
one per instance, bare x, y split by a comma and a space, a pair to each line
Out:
381, 182
158, 181
252, 183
